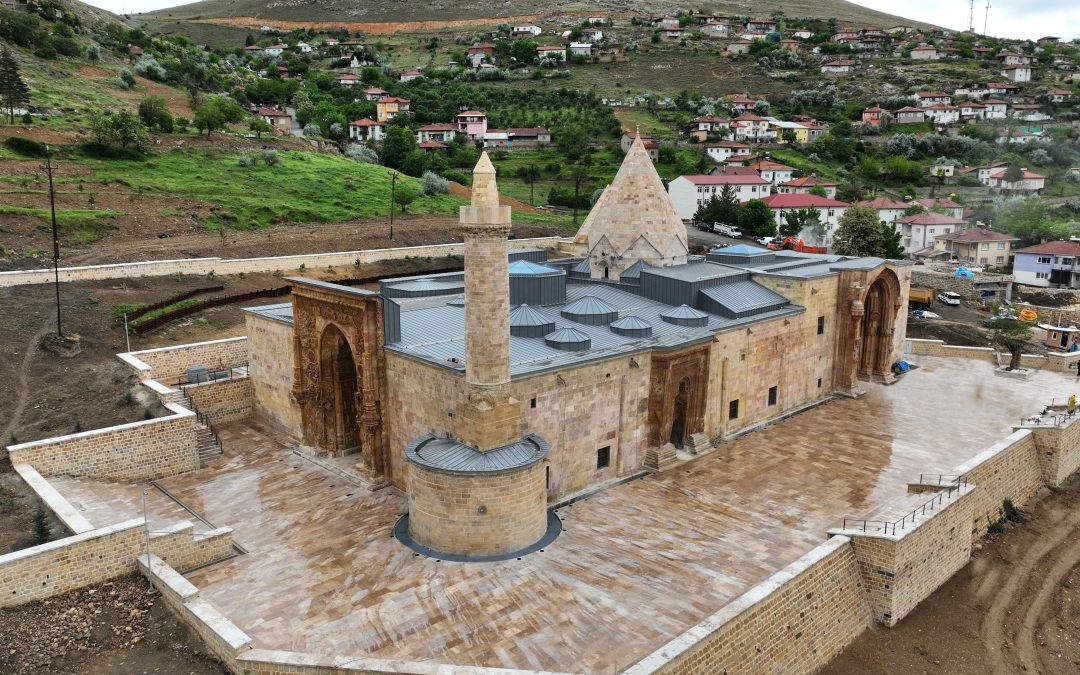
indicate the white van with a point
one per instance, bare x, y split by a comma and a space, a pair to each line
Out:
727, 231
949, 298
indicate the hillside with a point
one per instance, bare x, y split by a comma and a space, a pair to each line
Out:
406, 15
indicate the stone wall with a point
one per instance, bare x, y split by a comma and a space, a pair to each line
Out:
577, 411
53, 500
168, 364
794, 622
288, 263
1058, 451
270, 366
477, 515
98, 555
902, 567
222, 400
919, 347
1009, 469
139, 451
946, 281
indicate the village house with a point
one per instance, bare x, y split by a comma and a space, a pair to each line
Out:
551, 52
739, 47
788, 132
721, 151
366, 129
472, 123
1029, 182
716, 29
977, 246
593, 35
479, 53
1007, 58
1048, 40
920, 230
348, 79
972, 111
994, 109
1017, 73
789, 45
752, 127
431, 146
410, 75
838, 67
942, 114
673, 34
944, 204
525, 30
925, 98
330, 42
303, 47
741, 104
1022, 137
275, 50
668, 22
982, 52
1057, 95
1053, 263
762, 26
652, 148
374, 93
688, 193
279, 120
707, 125
814, 129
528, 137
802, 34
872, 115
443, 132
389, 107
1002, 89
925, 52
774, 172
1030, 112
888, 209
909, 115
802, 186
829, 210
581, 48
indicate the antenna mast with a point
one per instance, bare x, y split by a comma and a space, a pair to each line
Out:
986, 17
971, 15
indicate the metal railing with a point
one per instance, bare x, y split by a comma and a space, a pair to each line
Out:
203, 419
221, 374
1053, 415
940, 479
891, 527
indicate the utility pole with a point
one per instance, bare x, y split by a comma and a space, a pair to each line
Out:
56, 238
393, 183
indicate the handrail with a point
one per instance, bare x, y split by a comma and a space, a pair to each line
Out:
203, 419
237, 372
891, 527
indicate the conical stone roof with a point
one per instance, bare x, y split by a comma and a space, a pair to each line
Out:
634, 212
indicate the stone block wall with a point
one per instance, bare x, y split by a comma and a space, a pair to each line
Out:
480, 514
139, 451
1058, 450
168, 364
942, 281
901, 568
222, 400
270, 366
184, 549
1009, 469
920, 347
794, 622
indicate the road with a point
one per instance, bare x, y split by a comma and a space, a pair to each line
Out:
710, 239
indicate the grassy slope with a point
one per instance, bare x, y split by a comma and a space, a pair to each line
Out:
408, 10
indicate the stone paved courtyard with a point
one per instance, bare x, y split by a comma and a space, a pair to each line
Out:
636, 565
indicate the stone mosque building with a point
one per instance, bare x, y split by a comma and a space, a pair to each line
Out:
489, 395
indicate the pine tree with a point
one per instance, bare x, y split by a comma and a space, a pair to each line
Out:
42, 529
13, 89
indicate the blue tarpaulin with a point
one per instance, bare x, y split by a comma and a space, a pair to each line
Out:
964, 272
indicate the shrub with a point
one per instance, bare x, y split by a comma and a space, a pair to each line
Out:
148, 67
270, 157
42, 530
26, 146
125, 79
434, 184
361, 153
245, 160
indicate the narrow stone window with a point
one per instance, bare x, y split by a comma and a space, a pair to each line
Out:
821, 325
532, 402
819, 383
733, 410
603, 457
772, 395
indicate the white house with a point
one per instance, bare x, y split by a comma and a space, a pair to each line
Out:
837, 67
920, 230
925, 53
829, 210
348, 79
410, 75
888, 209
1013, 59
593, 34
687, 193
942, 114
581, 48
1030, 112
1017, 73
275, 50
722, 150
753, 127
802, 186
994, 109
1023, 137
774, 172
739, 47
802, 34
1030, 181
925, 98
527, 29
443, 132
553, 52
303, 47
366, 129
716, 29
1057, 95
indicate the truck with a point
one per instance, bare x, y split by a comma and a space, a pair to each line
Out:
921, 297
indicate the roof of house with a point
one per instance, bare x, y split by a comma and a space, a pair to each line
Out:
1054, 247
271, 112
348, 76
747, 117
873, 109
1000, 173
471, 113
392, 99
929, 218
550, 48
909, 109
528, 131
839, 62
800, 201
932, 94
735, 170
993, 101
727, 179
808, 181
883, 203
767, 165
976, 234
365, 122
439, 126
726, 144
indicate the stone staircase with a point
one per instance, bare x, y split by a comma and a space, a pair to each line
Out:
206, 439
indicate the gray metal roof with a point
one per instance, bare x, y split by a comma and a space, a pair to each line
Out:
280, 312
568, 340
527, 322
684, 315
452, 456
697, 272
743, 298
591, 310
634, 271
531, 269
631, 326
459, 301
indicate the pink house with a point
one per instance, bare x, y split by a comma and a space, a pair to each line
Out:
473, 124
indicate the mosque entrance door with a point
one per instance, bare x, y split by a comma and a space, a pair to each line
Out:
678, 419
339, 404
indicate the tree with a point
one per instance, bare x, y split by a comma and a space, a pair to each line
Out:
579, 174
155, 114
14, 91
798, 220
259, 126
571, 139
891, 248
859, 233
727, 207
1012, 335
92, 53
122, 128
215, 113
1013, 174
818, 191
756, 219
397, 145
404, 196
529, 173
42, 530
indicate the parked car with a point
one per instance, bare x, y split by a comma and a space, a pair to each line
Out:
949, 298
702, 225
727, 231
765, 241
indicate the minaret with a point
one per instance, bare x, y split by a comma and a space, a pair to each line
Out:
488, 417
485, 226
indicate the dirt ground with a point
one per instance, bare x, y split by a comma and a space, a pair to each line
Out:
1014, 608
114, 627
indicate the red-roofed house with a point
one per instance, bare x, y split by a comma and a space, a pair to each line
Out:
366, 129
872, 115
374, 93
942, 114
925, 98
348, 79
687, 193
829, 210
922, 229
702, 127
279, 120
1030, 183
802, 186
977, 246
741, 104
528, 137
909, 115
472, 123
774, 172
431, 146
888, 209
552, 52
1017, 73
838, 67
995, 109
1057, 95
952, 208
389, 107
410, 75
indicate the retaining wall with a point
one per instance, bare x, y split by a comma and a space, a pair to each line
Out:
946, 281
168, 364
139, 451
53, 500
222, 400
794, 622
1058, 450
920, 347
288, 263
1009, 469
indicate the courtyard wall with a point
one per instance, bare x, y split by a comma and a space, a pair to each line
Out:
920, 347
1009, 469
222, 400
168, 364
270, 366
139, 451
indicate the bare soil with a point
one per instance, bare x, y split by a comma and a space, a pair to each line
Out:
114, 627
1014, 608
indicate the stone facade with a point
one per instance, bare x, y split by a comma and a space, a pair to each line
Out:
139, 451
1007, 470
1058, 450
222, 400
794, 622
480, 514
270, 367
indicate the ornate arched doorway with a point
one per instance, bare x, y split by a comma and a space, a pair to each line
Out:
339, 377
878, 320
678, 416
